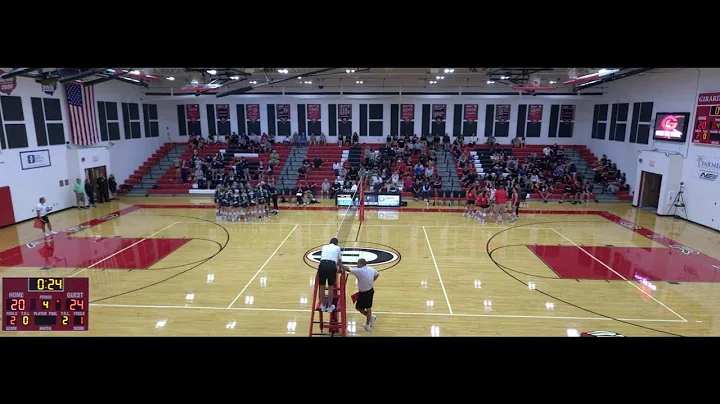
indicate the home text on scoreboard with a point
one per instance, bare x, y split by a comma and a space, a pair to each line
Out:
707, 119
45, 304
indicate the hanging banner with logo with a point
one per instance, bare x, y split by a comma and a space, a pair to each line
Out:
283, 112
7, 85
502, 113
193, 112
344, 112
471, 112
708, 168
49, 89
438, 112
313, 112
223, 112
535, 113
407, 112
252, 112
567, 113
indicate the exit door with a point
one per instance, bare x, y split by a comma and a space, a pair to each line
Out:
650, 190
93, 174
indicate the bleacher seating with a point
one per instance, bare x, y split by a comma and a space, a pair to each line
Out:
151, 161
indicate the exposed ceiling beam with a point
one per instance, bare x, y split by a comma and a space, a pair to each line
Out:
17, 72
612, 77
246, 89
82, 75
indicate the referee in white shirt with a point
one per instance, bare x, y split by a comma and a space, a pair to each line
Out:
366, 277
330, 261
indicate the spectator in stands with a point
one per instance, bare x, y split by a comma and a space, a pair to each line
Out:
90, 192
446, 142
260, 172
516, 141
336, 168
303, 139
234, 140
417, 189
522, 142
318, 162
271, 138
79, 194
336, 187
274, 157
429, 170
313, 140
302, 173
325, 189
491, 141
426, 190
355, 139
322, 140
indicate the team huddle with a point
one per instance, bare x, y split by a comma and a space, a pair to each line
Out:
243, 202
491, 200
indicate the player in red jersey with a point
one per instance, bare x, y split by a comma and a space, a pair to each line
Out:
500, 204
482, 205
470, 204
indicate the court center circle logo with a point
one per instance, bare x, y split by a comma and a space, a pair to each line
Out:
350, 256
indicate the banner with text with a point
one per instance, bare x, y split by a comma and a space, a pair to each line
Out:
567, 113
439, 112
252, 111
535, 113
223, 112
283, 112
708, 168
344, 112
193, 112
313, 112
502, 113
471, 112
407, 112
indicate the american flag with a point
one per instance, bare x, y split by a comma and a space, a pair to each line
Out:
81, 108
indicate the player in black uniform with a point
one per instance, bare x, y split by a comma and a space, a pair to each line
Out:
253, 197
225, 203
216, 198
274, 197
262, 203
570, 192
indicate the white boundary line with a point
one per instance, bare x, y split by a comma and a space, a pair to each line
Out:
260, 309
263, 266
124, 249
442, 285
623, 278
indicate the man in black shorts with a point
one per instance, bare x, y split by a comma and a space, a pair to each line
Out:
366, 277
330, 261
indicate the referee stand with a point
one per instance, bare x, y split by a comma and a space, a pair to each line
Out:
335, 322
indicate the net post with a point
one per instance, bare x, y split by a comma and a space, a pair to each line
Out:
361, 202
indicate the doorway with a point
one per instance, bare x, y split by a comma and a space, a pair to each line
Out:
650, 190
93, 174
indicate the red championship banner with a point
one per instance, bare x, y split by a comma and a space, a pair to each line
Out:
283, 112
193, 112
7, 85
223, 112
407, 112
344, 112
438, 112
535, 113
471, 112
252, 112
567, 113
502, 113
313, 112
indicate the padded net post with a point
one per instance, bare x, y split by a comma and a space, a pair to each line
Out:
361, 202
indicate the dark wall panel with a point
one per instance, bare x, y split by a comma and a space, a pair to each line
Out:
613, 121
153, 112
113, 130
146, 120
407, 128
566, 129
3, 145
12, 109
134, 112
602, 129
502, 129
344, 128
136, 130
603, 113
53, 111
126, 120
240, 109
533, 129
425, 126
16, 135
620, 129
182, 122
283, 128
469, 128
271, 119
302, 119
623, 112
634, 121
155, 129
458, 127
554, 118
104, 136
646, 112
643, 135
489, 119
522, 115
332, 120
375, 128
211, 121
363, 120
394, 119
223, 128
194, 128
314, 128
375, 112
39, 120
596, 111
56, 133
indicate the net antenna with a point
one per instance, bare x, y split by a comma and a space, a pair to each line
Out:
347, 216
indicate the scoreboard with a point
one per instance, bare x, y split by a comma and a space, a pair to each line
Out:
45, 304
707, 119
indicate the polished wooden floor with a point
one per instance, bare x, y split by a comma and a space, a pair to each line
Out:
250, 279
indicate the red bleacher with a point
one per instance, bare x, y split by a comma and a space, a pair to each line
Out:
169, 185
329, 153
147, 165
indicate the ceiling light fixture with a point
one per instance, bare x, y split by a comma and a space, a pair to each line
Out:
504, 77
552, 82
358, 81
449, 70
348, 71
171, 78
432, 81
490, 82
212, 72
308, 82
234, 77
283, 71
253, 82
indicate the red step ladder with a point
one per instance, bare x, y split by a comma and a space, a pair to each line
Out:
336, 324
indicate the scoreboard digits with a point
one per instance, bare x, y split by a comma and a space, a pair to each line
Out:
45, 304
707, 119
